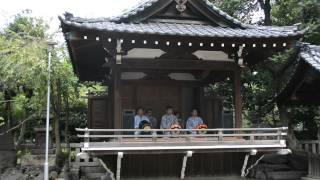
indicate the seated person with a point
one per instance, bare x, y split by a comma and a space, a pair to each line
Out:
152, 119
140, 117
177, 114
168, 119
193, 121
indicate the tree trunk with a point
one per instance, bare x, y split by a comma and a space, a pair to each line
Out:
7, 98
266, 7
286, 121
56, 103
267, 14
67, 136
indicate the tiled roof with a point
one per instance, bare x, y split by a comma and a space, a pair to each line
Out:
178, 29
143, 4
307, 53
116, 24
311, 55
135, 10
147, 3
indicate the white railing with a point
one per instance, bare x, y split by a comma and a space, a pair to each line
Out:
125, 141
220, 134
312, 148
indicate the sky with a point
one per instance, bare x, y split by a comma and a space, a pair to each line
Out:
51, 9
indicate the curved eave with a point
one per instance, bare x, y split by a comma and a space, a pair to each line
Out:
72, 58
233, 33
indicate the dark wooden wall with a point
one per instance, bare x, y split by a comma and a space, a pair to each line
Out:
182, 97
155, 95
169, 165
212, 109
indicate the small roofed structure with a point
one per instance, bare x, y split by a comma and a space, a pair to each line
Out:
304, 84
190, 42
169, 52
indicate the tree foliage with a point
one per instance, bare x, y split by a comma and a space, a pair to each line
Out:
260, 88
23, 68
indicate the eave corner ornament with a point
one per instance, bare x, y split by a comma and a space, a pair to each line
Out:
181, 5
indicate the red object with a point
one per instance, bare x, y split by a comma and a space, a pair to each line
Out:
175, 126
202, 126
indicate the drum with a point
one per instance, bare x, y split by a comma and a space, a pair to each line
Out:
175, 126
203, 127
145, 125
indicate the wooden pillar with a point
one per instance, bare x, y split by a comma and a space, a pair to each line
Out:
116, 98
117, 108
237, 97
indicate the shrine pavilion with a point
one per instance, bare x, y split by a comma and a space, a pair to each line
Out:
169, 52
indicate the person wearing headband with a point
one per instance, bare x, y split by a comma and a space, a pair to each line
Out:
138, 118
193, 121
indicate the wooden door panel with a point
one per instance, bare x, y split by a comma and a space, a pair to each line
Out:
99, 112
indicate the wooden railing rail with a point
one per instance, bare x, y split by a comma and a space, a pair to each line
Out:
182, 130
310, 146
220, 134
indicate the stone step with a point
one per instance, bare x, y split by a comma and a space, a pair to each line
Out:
92, 169
286, 175
94, 176
276, 167
310, 178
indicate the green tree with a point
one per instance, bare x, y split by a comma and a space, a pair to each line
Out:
261, 88
245, 9
23, 68
23, 74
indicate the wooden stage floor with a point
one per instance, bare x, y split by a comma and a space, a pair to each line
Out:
180, 145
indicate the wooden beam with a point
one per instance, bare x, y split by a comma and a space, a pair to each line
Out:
237, 97
184, 164
118, 173
162, 82
177, 64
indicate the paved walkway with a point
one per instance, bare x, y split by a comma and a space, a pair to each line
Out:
194, 178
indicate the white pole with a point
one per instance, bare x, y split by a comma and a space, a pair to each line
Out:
46, 163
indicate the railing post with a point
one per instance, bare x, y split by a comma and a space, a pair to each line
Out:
309, 164
220, 137
86, 138
306, 147
300, 146
120, 139
314, 148
251, 137
279, 131
154, 136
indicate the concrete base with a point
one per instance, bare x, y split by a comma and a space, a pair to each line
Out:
41, 151
36, 160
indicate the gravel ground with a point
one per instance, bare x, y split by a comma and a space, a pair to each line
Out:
198, 178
